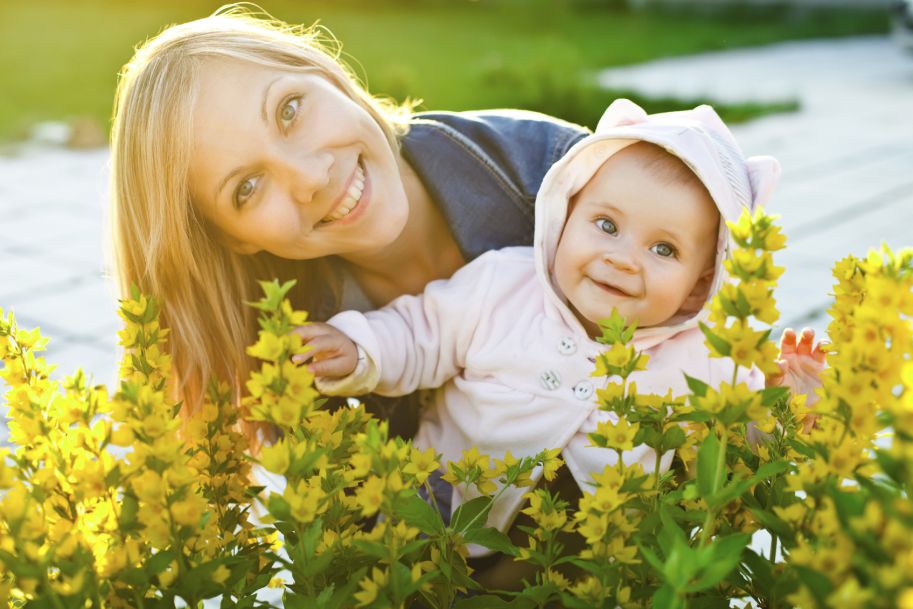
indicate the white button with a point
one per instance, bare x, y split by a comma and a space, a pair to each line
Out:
583, 390
550, 380
567, 346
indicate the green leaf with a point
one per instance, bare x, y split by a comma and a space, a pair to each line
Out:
160, 561
773, 523
697, 387
720, 345
490, 601
818, 583
417, 513
665, 598
772, 395
473, 513
491, 538
651, 557
708, 478
730, 491
673, 438
761, 569
721, 557
890, 465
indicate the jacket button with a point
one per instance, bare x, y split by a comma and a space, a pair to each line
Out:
550, 380
567, 346
583, 390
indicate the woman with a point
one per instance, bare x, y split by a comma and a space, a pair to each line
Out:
243, 150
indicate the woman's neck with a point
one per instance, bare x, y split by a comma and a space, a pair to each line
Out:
424, 251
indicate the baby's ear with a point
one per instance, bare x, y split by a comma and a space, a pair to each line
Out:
620, 113
764, 174
698, 296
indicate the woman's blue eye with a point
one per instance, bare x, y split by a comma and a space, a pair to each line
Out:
289, 111
244, 191
606, 226
663, 249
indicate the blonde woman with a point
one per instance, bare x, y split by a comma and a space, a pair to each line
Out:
244, 150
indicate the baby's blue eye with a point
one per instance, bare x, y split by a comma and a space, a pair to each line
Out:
606, 226
663, 249
244, 191
289, 110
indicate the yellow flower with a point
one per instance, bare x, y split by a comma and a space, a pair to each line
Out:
188, 511
286, 412
370, 495
905, 599
370, 587
275, 458
268, 347
220, 574
619, 436
305, 500
421, 464
610, 394
551, 463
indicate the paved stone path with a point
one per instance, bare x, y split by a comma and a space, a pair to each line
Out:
847, 185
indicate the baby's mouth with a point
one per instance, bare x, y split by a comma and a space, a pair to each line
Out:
611, 289
350, 199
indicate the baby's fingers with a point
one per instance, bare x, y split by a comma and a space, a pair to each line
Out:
788, 342
319, 348
806, 340
333, 367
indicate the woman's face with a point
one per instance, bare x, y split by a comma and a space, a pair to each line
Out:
285, 162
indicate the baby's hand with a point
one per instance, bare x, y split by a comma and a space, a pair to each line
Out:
332, 354
801, 364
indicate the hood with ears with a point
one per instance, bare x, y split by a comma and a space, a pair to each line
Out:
701, 140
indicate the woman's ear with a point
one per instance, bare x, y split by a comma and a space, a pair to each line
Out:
698, 296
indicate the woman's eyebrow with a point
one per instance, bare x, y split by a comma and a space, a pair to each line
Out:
264, 115
263, 112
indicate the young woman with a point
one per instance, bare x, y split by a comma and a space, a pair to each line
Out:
244, 150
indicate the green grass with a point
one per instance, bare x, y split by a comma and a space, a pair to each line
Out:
59, 58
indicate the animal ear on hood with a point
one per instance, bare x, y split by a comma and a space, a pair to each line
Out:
763, 174
622, 112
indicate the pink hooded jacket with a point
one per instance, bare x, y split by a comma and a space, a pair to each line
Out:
510, 361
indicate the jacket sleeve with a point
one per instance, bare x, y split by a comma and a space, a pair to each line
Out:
418, 342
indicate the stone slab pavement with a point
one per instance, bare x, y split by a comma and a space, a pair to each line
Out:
847, 185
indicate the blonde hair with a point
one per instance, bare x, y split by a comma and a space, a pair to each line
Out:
160, 242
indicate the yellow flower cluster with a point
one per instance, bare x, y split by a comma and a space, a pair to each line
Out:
105, 500
854, 539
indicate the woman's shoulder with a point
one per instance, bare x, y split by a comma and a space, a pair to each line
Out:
503, 132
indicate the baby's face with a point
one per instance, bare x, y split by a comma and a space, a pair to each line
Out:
638, 244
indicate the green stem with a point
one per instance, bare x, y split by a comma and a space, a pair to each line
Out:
707, 529
773, 548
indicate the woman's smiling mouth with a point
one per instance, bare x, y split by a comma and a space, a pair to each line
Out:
351, 198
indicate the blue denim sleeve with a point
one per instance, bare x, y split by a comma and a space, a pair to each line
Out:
484, 169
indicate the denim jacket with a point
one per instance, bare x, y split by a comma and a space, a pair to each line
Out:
484, 169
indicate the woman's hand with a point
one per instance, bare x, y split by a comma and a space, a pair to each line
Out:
332, 354
801, 363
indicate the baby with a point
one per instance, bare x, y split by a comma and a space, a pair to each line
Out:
632, 219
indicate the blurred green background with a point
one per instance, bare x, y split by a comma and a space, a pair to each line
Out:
60, 58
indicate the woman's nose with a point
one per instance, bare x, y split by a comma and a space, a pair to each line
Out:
307, 175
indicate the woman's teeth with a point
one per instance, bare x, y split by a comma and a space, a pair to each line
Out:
351, 199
